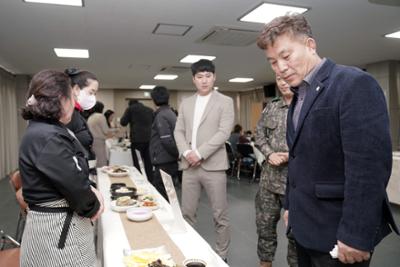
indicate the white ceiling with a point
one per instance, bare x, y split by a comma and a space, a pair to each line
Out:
125, 54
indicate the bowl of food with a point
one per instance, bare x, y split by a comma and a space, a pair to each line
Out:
139, 214
122, 204
148, 201
194, 263
118, 171
116, 186
124, 191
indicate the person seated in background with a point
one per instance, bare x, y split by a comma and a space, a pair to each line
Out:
248, 137
97, 123
163, 151
55, 179
235, 135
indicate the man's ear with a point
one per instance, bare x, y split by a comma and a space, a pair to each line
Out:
310, 43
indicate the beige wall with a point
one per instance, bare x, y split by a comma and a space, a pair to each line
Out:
117, 99
22, 83
106, 96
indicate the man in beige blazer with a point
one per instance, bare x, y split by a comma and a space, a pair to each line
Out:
204, 123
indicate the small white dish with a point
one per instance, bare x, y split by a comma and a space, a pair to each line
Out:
139, 214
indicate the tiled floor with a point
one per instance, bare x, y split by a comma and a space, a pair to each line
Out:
243, 249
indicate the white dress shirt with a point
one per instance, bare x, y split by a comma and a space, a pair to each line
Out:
199, 107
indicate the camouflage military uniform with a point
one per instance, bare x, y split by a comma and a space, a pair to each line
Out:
270, 136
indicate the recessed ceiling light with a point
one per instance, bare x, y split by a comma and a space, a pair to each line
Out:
165, 77
75, 53
266, 12
241, 80
393, 35
216, 87
195, 58
58, 2
146, 86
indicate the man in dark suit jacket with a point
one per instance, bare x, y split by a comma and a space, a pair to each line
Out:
139, 117
340, 155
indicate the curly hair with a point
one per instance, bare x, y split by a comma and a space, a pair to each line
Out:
45, 91
294, 24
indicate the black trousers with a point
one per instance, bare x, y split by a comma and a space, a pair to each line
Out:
312, 258
171, 169
144, 150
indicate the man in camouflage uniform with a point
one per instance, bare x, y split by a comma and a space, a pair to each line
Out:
270, 138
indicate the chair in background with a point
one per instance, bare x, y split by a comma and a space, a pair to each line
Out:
232, 159
16, 185
246, 160
9, 251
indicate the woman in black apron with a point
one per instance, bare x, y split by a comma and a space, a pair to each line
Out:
54, 171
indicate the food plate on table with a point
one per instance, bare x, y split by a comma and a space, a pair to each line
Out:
123, 191
122, 204
118, 171
148, 201
148, 257
139, 214
115, 186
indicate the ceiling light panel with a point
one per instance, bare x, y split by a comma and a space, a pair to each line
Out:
241, 80
58, 2
146, 86
72, 53
266, 12
393, 35
195, 58
167, 77
171, 29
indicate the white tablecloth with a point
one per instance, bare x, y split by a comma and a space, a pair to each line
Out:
114, 240
120, 156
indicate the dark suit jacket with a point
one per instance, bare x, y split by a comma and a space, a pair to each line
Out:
139, 117
340, 161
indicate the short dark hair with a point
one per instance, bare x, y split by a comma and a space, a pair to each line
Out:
80, 77
202, 65
45, 91
98, 107
294, 24
132, 102
160, 95
237, 129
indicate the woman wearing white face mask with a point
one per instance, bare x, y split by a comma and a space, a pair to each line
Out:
85, 86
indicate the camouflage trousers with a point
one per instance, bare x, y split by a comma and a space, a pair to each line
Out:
268, 212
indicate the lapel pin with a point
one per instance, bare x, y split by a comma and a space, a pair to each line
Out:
317, 89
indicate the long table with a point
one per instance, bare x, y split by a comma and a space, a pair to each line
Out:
113, 238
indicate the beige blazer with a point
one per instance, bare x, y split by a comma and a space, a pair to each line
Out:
214, 129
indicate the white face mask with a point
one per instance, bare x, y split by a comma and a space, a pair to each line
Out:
85, 100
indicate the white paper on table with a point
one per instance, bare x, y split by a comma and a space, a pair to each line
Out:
178, 225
